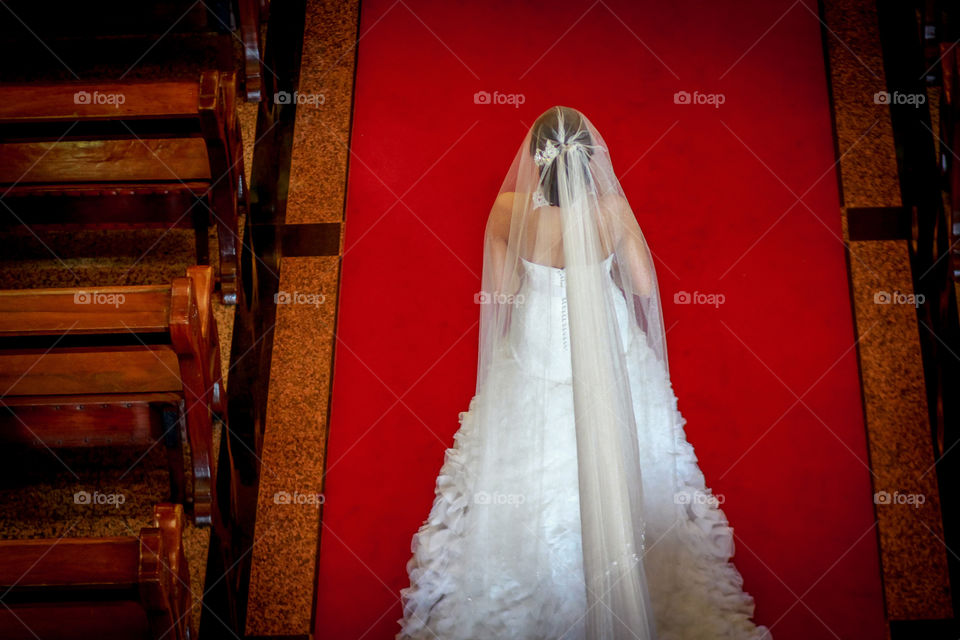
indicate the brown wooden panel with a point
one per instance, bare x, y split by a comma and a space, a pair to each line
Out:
83, 311
94, 206
83, 421
109, 189
161, 159
76, 562
97, 101
108, 398
77, 371
112, 620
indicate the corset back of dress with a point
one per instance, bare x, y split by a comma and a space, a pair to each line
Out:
539, 328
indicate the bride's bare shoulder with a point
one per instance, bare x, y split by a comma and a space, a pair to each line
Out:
504, 202
499, 221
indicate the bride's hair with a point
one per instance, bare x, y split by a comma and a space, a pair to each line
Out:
558, 127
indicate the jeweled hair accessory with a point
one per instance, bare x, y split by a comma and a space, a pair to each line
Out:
551, 150
546, 155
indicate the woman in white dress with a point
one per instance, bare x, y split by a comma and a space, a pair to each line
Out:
571, 505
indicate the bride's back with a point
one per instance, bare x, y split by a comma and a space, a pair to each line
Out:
541, 232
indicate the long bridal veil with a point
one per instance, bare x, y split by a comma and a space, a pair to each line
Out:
571, 506
562, 206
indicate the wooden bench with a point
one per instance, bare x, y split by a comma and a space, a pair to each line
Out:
126, 155
148, 23
116, 366
950, 138
104, 588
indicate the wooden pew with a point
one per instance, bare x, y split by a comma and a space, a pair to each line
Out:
104, 588
61, 24
127, 154
116, 366
950, 138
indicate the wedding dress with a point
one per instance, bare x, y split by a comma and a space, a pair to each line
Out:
571, 505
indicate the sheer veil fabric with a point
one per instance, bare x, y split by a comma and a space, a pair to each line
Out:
573, 349
562, 206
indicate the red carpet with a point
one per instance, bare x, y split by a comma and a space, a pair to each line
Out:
712, 189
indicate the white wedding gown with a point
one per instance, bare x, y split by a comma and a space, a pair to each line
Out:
695, 591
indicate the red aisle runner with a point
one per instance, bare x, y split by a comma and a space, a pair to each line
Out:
715, 189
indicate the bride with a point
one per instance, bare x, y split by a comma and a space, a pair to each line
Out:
571, 505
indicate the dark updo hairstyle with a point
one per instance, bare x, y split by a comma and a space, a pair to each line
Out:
560, 125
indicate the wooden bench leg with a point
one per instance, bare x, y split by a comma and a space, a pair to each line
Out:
219, 126
249, 14
227, 240
200, 434
172, 426
190, 326
168, 518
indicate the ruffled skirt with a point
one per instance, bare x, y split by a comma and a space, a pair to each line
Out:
696, 592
